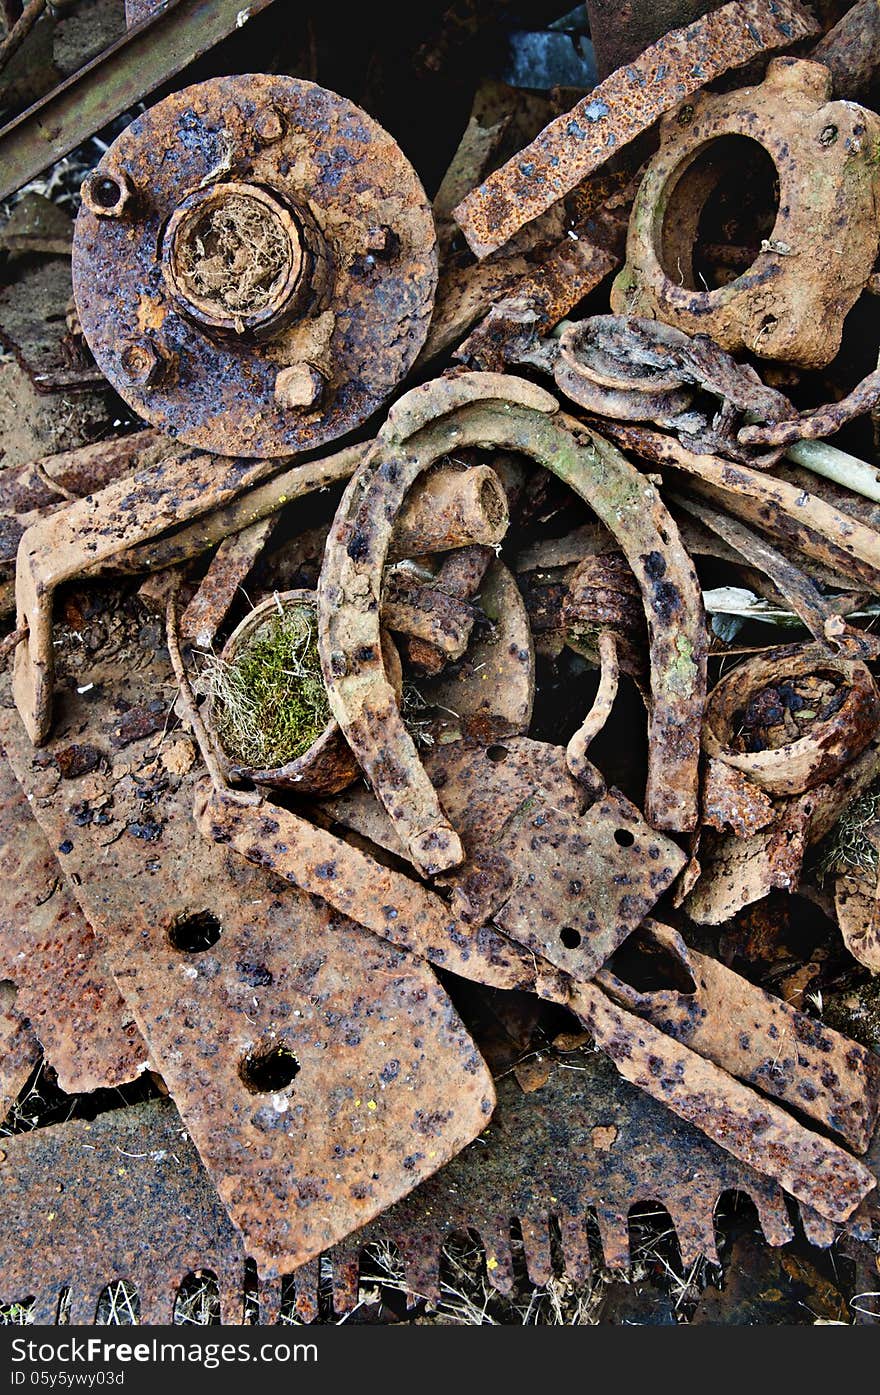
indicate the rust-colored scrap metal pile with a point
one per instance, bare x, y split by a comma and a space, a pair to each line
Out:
460, 668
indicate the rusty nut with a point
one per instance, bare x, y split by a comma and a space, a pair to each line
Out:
105, 195
299, 387
145, 364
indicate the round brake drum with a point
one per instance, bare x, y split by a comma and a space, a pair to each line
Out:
254, 265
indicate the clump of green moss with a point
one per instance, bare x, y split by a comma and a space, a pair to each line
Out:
269, 700
847, 848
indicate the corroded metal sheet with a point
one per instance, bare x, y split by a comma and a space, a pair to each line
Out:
615, 112
129, 1199
49, 951
19, 1050
316, 1095
760, 1039
752, 1128
584, 1143
85, 1204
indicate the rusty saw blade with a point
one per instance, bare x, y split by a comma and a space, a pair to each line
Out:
129, 1199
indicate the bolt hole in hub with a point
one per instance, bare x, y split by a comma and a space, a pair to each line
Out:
721, 207
106, 193
268, 1070
233, 260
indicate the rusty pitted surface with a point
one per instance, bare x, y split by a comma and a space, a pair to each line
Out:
315, 1096
759, 1038
840, 730
618, 109
257, 357
128, 1199
632, 369
560, 1152
748, 1126
567, 883
801, 592
19, 1049
490, 409
738, 869
823, 155
754, 1130
586, 1142
49, 951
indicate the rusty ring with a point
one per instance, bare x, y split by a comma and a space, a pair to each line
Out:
328, 766
817, 757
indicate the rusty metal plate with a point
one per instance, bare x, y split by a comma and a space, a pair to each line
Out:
49, 951
123, 1197
301, 346
584, 1142
759, 1038
567, 884
615, 112
312, 1063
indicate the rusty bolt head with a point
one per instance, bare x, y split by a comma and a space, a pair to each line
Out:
299, 387
269, 126
144, 363
105, 195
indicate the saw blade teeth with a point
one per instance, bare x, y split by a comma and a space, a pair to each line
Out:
614, 1234
495, 1239
307, 1281
536, 1243
231, 1294
817, 1229
269, 1292
773, 1215
345, 1279
575, 1247
421, 1268
696, 1236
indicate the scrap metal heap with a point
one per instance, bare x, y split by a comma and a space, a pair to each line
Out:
291, 766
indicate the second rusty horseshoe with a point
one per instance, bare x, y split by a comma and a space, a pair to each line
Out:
492, 410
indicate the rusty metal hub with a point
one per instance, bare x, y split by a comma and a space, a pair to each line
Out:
254, 265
